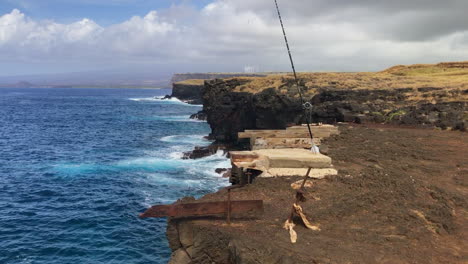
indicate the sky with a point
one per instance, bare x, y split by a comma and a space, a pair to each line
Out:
58, 36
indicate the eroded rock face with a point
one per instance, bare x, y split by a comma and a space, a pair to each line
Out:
199, 243
229, 112
201, 152
199, 116
204, 244
190, 93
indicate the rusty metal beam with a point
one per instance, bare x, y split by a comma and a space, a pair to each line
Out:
203, 209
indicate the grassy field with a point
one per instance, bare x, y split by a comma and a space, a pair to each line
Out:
443, 75
192, 82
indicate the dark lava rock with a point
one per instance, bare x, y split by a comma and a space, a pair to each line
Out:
198, 153
220, 170
201, 152
229, 112
189, 93
199, 116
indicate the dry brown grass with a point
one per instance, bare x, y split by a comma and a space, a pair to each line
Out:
444, 75
192, 82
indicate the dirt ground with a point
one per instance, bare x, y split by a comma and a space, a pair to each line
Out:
401, 196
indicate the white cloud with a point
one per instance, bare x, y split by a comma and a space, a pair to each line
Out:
229, 34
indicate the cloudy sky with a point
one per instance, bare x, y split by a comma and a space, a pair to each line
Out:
52, 36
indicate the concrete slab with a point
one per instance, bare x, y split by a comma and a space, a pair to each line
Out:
294, 158
281, 143
294, 133
315, 128
284, 172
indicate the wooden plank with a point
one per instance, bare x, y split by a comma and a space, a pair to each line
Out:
283, 134
295, 131
202, 209
243, 156
277, 143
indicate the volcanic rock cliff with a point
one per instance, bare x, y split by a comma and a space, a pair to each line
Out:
189, 91
180, 77
188, 86
427, 95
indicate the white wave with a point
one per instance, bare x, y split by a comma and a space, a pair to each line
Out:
189, 173
150, 200
172, 100
196, 140
176, 155
213, 161
179, 118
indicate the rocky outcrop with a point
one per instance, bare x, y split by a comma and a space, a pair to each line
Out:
188, 92
198, 242
201, 152
179, 77
189, 86
229, 111
200, 115
394, 106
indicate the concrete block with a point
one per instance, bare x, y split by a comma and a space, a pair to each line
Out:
284, 172
294, 158
281, 143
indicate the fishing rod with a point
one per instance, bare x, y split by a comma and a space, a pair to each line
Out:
305, 105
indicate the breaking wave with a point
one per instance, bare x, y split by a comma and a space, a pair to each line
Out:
172, 100
196, 140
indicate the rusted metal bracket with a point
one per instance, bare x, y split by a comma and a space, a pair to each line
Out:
206, 208
203, 209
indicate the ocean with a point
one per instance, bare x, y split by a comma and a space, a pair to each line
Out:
77, 166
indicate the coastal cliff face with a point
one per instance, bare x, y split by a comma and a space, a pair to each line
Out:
233, 105
189, 91
229, 112
189, 86
179, 77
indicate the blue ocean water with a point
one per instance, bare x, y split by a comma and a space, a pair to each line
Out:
77, 166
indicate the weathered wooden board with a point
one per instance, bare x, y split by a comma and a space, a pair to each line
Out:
322, 131
282, 134
202, 209
278, 143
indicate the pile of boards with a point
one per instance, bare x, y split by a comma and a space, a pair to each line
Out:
291, 137
286, 152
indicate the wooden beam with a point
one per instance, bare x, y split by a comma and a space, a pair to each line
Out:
202, 209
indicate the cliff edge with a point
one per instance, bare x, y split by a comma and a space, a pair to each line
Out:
417, 95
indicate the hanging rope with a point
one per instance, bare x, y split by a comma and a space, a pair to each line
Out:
307, 106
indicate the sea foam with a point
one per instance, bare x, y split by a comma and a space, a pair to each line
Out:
172, 100
196, 140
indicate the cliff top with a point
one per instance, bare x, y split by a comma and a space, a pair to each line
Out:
191, 82
451, 75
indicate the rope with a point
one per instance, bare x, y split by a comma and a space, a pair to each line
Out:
307, 106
